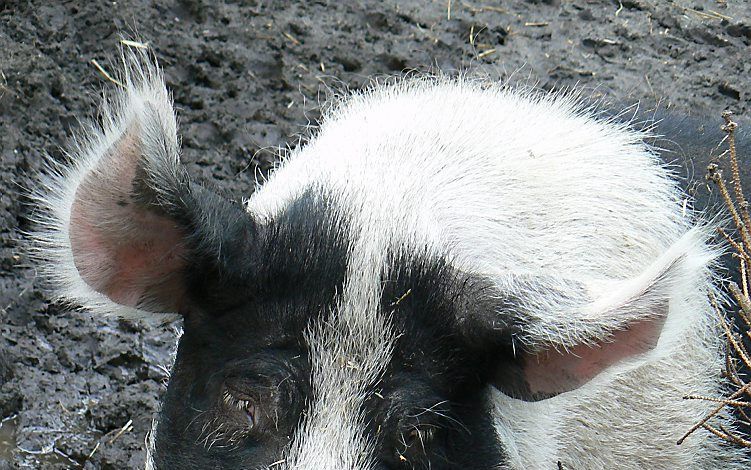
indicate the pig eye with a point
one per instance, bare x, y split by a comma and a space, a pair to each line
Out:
414, 445
419, 437
241, 405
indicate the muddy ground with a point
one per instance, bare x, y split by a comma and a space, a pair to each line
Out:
247, 76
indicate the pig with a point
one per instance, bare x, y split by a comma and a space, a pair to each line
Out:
448, 273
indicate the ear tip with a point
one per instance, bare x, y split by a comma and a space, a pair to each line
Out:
141, 93
141, 68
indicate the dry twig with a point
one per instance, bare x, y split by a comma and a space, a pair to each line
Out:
738, 355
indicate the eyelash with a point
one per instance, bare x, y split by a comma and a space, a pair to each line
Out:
245, 406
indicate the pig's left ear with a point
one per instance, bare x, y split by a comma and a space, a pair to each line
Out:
543, 336
113, 228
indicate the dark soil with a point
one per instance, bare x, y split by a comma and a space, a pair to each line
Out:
248, 76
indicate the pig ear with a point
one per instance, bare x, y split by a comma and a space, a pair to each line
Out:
113, 226
551, 335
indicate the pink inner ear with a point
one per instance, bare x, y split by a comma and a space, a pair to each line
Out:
553, 372
129, 253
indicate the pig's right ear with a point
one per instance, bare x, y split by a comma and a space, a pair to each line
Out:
113, 228
545, 334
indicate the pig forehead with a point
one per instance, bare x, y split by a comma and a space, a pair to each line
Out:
349, 350
366, 335
343, 282
315, 265
387, 339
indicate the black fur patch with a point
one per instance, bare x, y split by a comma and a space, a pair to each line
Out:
254, 288
430, 407
690, 143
